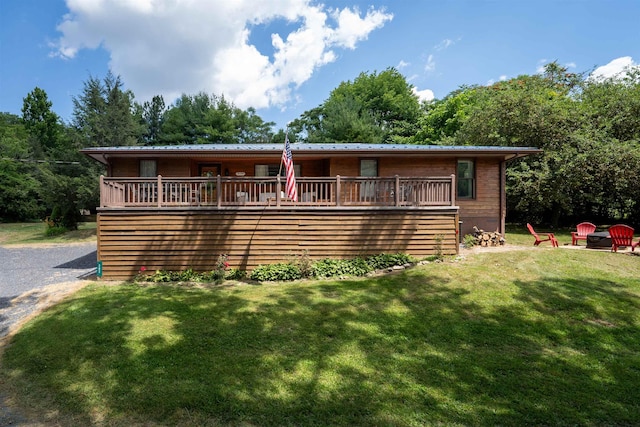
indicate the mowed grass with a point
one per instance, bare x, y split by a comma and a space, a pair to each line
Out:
531, 337
517, 234
34, 233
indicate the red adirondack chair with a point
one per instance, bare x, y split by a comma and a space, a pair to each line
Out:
549, 237
621, 235
581, 232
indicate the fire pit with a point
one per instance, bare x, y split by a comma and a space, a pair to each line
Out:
599, 240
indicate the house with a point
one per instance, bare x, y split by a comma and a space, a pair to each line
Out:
179, 207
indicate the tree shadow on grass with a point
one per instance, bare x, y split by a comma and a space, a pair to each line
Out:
396, 350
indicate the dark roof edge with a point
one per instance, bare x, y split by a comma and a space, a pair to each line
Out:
101, 153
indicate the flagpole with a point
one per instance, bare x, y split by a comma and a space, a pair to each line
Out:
286, 136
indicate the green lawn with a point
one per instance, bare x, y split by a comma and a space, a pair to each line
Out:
519, 235
34, 233
535, 337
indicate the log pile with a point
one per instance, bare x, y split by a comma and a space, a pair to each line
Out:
484, 238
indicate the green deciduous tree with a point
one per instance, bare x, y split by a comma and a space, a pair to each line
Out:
19, 199
59, 181
347, 120
374, 108
586, 169
613, 105
444, 118
66, 189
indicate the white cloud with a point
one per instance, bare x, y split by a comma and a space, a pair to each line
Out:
616, 68
352, 28
443, 44
424, 95
170, 47
412, 77
402, 64
430, 65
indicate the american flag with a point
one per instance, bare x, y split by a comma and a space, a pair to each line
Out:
287, 159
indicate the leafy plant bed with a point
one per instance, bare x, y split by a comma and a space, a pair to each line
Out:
298, 268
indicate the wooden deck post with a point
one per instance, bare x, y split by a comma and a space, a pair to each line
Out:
103, 192
338, 190
397, 191
160, 196
453, 189
278, 190
218, 191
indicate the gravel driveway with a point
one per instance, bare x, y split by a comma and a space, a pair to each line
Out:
27, 272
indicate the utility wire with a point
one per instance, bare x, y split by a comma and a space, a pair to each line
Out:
57, 162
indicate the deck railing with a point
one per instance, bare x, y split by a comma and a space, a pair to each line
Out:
268, 191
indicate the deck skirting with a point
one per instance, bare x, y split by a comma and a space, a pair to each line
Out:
179, 239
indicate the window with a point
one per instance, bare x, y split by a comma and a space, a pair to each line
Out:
148, 168
368, 167
272, 170
466, 179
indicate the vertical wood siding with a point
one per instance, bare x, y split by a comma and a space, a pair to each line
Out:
178, 240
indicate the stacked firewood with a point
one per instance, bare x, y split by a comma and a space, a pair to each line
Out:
484, 238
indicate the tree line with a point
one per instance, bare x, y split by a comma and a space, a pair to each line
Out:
588, 128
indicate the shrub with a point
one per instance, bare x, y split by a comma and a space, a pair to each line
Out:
54, 227
217, 275
55, 231
235, 274
304, 263
297, 268
165, 276
219, 271
382, 261
469, 240
340, 267
156, 277
276, 272
439, 240
64, 216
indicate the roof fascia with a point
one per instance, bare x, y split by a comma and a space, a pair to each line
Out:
103, 155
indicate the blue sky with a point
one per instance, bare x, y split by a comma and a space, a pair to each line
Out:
284, 57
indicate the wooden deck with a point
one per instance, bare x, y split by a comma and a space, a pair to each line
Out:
246, 192
179, 223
